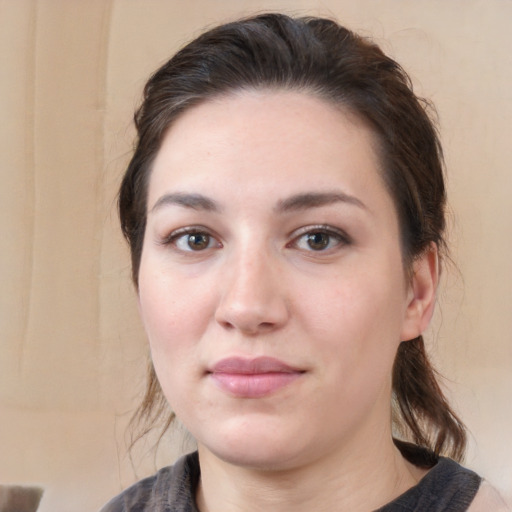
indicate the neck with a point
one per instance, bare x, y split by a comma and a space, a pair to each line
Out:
360, 479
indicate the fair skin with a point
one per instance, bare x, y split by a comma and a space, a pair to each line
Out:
270, 234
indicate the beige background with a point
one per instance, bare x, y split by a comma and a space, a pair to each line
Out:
71, 346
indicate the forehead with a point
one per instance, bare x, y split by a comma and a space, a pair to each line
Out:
255, 139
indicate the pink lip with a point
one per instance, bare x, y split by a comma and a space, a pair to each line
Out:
253, 378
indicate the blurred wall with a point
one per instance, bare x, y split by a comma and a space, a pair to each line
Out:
72, 349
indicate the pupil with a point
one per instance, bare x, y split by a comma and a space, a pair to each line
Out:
199, 241
318, 240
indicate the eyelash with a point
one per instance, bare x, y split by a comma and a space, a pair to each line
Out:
339, 236
175, 236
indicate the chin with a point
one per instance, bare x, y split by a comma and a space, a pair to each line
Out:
255, 448
256, 458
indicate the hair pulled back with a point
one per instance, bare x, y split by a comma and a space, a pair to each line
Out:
320, 58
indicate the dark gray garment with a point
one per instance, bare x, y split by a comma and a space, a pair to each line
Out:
447, 487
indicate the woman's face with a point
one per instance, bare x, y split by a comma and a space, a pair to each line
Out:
271, 282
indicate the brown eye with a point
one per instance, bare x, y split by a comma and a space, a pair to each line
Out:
198, 241
193, 241
318, 241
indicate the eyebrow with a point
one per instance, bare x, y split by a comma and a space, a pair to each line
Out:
292, 203
316, 200
192, 201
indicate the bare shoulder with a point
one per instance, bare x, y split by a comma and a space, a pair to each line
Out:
488, 498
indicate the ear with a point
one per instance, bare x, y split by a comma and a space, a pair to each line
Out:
421, 295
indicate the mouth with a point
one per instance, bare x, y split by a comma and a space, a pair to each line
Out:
253, 378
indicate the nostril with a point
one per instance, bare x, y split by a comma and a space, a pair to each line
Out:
227, 325
250, 302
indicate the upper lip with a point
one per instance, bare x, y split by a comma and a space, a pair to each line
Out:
252, 366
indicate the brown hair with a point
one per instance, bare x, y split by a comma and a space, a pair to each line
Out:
322, 58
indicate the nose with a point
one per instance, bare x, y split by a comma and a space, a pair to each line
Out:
253, 298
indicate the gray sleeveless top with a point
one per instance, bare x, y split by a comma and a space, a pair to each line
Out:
446, 487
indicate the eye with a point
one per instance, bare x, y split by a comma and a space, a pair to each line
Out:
320, 239
192, 240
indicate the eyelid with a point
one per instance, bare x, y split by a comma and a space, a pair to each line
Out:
187, 230
340, 234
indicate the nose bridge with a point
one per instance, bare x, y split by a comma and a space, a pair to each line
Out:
252, 296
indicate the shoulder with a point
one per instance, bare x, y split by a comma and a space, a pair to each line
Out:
487, 498
171, 488
446, 486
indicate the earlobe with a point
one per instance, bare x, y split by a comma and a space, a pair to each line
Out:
422, 294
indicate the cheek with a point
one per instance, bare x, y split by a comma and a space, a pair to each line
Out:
175, 319
174, 313
357, 320
354, 303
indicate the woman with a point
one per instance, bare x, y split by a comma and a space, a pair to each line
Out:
285, 213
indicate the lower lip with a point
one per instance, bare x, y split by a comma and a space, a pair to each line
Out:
256, 385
